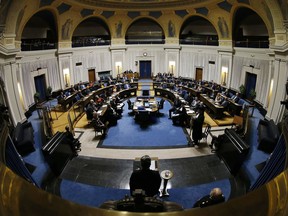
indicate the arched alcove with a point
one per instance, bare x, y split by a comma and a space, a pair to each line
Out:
40, 32
91, 32
249, 30
198, 31
145, 31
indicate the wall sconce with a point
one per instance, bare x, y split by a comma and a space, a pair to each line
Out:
172, 66
118, 66
136, 63
66, 76
224, 72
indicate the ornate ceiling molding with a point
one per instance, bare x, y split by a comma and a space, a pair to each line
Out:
143, 4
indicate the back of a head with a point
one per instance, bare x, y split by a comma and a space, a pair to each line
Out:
145, 162
216, 193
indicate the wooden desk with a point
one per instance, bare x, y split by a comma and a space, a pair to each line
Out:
217, 110
145, 103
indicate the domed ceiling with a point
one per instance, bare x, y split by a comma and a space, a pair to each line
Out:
142, 4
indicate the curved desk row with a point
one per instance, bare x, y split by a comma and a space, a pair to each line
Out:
216, 110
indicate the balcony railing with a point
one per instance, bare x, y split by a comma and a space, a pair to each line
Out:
199, 42
252, 44
90, 41
145, 41
33, 45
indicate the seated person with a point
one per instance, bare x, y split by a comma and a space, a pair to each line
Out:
111, 115
98, 124
226, 93
115, 106
213, 198
74, 143
219, 99
145, 178
195, 103
180, 115
92, 105
235, 98
189, 98
67, 93
225, 103
177, 104
62, 96
212, 95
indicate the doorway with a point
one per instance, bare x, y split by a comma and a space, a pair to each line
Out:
145, 69
40, 86
250, 83
199, 74
91, 75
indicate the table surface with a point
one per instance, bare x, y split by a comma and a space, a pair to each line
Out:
148, 104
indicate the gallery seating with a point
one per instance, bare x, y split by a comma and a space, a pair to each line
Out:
268, 135
23, 138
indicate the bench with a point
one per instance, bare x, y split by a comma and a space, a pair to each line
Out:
268, 135
58, 152
23, 138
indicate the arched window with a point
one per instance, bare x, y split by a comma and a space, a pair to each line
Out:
40, 32
249, 30
91, 32
198, 31
144, 31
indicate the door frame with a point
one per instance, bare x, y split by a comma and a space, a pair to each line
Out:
150, 63
196, 73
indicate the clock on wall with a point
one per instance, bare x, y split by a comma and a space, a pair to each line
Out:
145, 54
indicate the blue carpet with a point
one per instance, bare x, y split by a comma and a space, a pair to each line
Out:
94, 196
159, 133
255, 156
36, 158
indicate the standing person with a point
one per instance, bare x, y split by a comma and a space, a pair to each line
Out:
197, 126
145, 178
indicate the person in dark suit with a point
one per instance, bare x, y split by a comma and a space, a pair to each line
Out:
181, 116
213, 198
197, 125
176, 104
74, 143
225, 103
235, 98
98, 124
145, 178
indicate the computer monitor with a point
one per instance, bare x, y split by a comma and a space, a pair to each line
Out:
146, 104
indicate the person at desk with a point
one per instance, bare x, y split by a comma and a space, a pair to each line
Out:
111, 115
62, 96
197, 124
219, 99
195, 103
177, 104
213, 198
74, 143
180, 115
145, 178
235, 98
225, 103
98, 125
